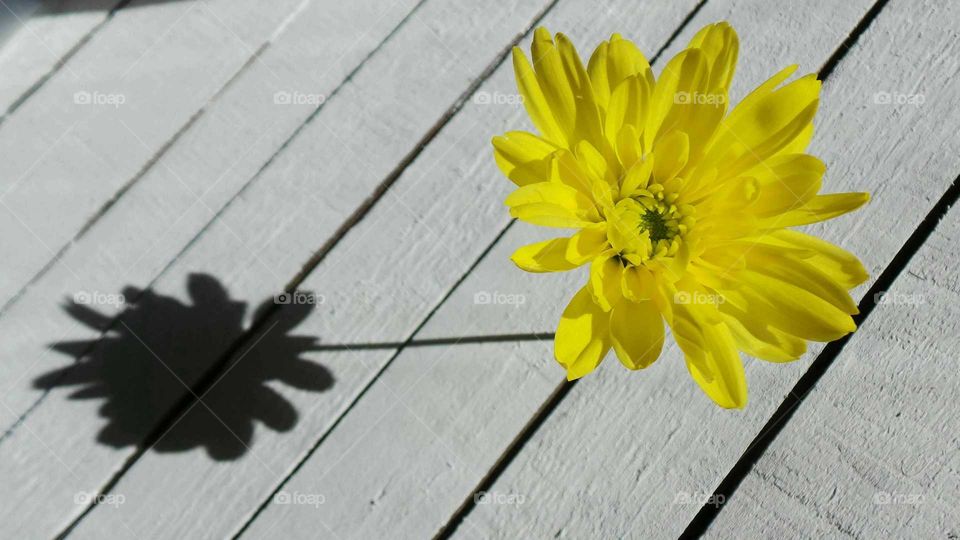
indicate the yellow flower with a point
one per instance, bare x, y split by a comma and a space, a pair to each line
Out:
681, 210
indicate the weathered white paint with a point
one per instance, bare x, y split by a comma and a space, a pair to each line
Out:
367, 298
196, 177
622, 454
145, 229
41, 37
414, 446
108, 111
451, 411
873, 451
380, 114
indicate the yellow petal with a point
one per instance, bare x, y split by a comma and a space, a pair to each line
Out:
629, 147
663, 292
546, 256
552, 205
637, 284
553, 82
587, 244
775, 263
523, 157
566, 90
768, 86
603, 177
841, 265
614, 61
800, 143
583, 336
728, 387
599, 78
638, 176
720, 46
587, 125
605, 278
636, 330
674, 104
760, 340
710, 352
567, 170
758, 129
627, 107
820, 208
534, 100
785, 182
670, 156
788, 307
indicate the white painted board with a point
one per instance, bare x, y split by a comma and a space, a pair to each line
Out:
89, 131
38, 37
873, 451
634, 455
411, 92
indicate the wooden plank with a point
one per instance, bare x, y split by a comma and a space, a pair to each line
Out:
39, 39
176, 198
453, 414
89, 131
494, 319
636, 454
395, 93
445, 430
376, 285
873, 451
159, 215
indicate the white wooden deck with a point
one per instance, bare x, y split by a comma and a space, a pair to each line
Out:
196, 158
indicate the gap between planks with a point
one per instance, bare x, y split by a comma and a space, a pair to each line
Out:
818, 368
64, 58
702, 520
153, 161
157, 155
555, 398
211, 376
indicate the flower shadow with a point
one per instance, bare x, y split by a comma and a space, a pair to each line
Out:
153, 356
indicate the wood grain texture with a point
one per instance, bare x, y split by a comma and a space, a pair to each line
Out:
623, 456
182, 193
295, 204
40, 42
90, 130
144, 230
400, 449
873, 451
379, 282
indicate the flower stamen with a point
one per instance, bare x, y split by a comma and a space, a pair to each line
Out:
648, 224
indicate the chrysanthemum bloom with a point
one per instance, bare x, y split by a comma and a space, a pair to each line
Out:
681, 210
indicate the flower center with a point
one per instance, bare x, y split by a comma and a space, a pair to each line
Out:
655, 223
648, 225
